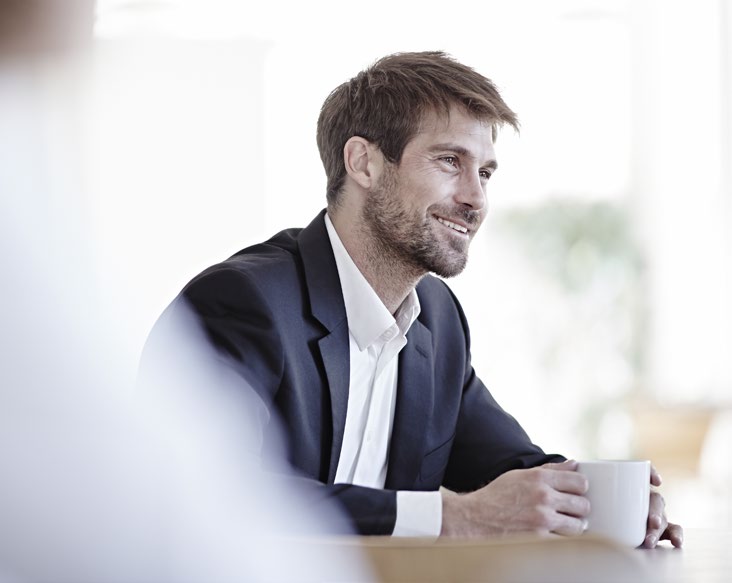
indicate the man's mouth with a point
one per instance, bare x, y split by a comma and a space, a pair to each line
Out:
453, 226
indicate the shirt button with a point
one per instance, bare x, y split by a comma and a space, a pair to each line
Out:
389, 334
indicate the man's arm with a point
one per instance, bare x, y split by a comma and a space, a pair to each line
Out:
218, 342
523, 491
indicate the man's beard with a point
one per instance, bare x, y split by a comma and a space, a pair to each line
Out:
402, 236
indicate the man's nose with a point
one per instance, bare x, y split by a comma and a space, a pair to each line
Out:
472, 192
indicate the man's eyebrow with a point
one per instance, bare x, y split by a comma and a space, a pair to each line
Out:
461, 151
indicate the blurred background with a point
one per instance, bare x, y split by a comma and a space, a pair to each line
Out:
179, 131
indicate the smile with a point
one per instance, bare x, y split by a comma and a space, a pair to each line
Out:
453, 226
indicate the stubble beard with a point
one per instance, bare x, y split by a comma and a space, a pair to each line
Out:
409, 240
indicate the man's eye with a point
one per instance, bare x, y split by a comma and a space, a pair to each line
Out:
451, 160
485, 174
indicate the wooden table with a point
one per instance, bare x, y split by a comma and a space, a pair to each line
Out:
705, 558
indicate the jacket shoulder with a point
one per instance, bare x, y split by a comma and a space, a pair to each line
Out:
266, 262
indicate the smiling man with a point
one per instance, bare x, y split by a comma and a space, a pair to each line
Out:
358, 353
400, 222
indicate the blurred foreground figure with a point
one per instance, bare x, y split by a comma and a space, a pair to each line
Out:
350, 340
98, 486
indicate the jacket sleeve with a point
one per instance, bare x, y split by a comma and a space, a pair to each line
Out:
219, 341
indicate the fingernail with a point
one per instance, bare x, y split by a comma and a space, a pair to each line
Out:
585, 524
651, 541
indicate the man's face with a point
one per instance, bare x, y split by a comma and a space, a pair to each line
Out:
425, 211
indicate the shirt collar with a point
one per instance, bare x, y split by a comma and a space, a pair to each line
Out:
367, 315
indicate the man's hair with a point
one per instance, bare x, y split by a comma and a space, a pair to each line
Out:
387, 102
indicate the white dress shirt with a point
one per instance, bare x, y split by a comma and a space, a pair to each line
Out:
375, 340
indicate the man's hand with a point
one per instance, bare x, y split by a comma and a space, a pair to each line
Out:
543, 500
658, 527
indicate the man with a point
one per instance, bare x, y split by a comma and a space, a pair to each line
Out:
360, 352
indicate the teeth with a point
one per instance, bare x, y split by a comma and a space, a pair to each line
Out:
452, 225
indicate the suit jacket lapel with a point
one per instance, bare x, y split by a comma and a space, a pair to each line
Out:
414, 406
415, 388
326, 303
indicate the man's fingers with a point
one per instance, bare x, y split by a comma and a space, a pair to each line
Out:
656, 512
568, 525
568, 465
572, 505
675, 534
655, 477
567, 481
657, 522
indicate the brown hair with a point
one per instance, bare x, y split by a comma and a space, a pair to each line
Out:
386, 103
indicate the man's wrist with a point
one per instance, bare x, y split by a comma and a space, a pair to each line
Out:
450, 510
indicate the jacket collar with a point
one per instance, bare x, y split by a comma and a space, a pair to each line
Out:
321, 274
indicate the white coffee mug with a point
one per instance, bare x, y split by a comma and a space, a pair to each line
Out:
619, 494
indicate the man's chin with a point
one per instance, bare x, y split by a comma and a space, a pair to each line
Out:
451, 267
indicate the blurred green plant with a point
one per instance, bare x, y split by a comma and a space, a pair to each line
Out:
587, 253
575, 242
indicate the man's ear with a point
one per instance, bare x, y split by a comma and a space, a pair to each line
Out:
363, 161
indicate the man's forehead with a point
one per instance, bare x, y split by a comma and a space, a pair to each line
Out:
454, 119
458, 131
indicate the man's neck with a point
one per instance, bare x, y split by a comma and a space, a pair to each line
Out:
388, 275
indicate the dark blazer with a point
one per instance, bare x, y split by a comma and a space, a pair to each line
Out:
275, 312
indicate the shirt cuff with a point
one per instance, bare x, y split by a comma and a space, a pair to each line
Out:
418, 514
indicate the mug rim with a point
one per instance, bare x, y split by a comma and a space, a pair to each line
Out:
598, 462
